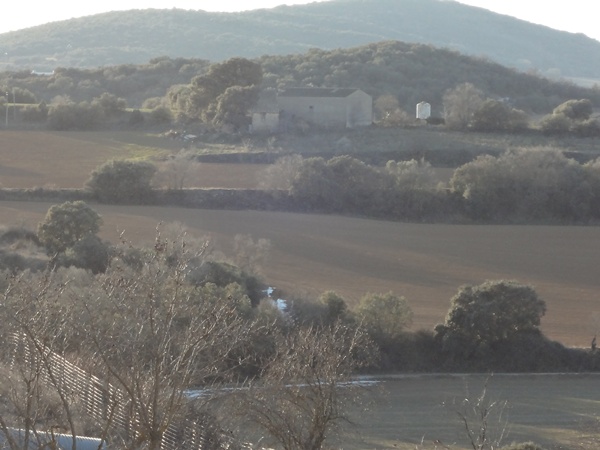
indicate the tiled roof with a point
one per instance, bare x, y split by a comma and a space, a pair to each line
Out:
317, 92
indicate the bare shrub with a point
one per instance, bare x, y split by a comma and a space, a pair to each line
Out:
281, 174
301, 397
175, 172
484, 420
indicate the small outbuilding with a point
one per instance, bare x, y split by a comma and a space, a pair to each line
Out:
265, 122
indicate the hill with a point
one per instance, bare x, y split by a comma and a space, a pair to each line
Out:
410, 72
139, 35
414, 73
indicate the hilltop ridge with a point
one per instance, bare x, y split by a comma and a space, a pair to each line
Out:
136, 36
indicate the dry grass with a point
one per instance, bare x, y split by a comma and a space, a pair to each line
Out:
413, 412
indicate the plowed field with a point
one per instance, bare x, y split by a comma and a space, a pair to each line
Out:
425, 263
66, 159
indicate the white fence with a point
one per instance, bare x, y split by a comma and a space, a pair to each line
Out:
105, 402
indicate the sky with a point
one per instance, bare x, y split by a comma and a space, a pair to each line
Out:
576, 16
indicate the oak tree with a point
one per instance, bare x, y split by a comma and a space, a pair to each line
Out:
494, 311
66, 224
122, 181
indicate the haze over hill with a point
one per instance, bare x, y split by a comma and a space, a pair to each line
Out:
140, 35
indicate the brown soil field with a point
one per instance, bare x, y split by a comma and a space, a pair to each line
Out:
39, 159
423, 262
66, 159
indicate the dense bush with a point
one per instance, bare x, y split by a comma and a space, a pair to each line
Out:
223, 274
176, 319
160, 115
526, 184
490, 327
222, 96
20, 250
135, 118
31, 113
414, 72
122, 182
572, 116
345, 184
15, 234
488, 316
15, 263
336, 308
491, 312
555, 124
520, 185
385, 316
68, 115
89, 253
71, 116
493, 327
575, 109
109, 104
494, 115
389, 114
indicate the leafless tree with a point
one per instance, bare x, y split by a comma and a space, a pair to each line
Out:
281, 174
305, 389
175, 172
460, 105
159, 336
389, 113
35, 399
250, 255
144, 334
484, 420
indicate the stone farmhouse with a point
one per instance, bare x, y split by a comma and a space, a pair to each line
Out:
319, 107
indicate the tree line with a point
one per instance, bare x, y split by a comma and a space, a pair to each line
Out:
522, 185
182, 90
466, 108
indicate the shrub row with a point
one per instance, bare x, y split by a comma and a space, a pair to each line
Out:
522, 185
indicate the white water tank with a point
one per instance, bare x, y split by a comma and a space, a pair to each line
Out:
423, 110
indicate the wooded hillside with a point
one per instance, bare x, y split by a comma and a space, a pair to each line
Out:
139, 35
411, 72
